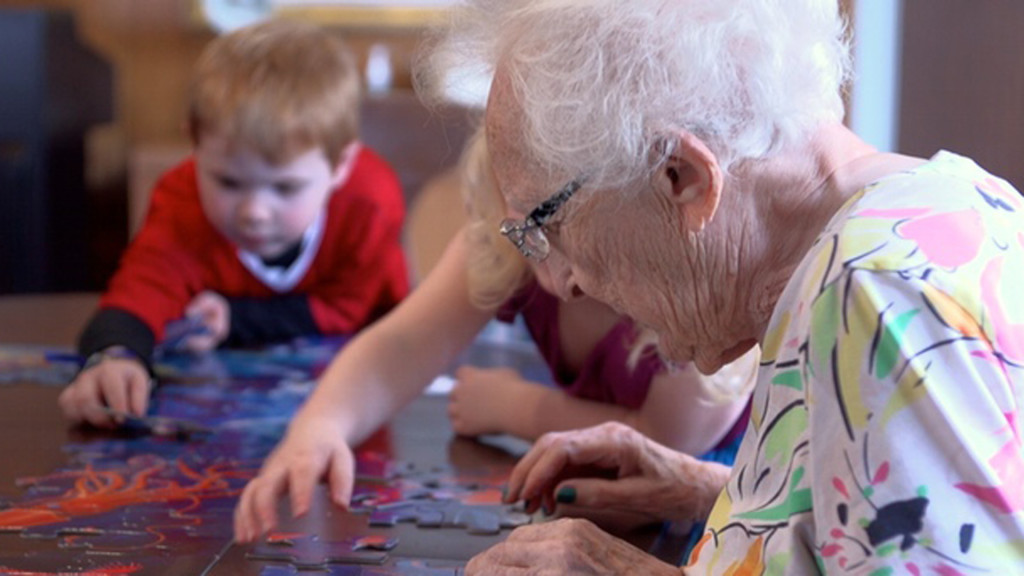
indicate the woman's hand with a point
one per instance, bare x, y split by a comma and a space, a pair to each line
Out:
313, 449
612, 470
215, 313
482, 400
566, 547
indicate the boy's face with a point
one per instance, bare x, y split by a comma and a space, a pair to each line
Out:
263, 208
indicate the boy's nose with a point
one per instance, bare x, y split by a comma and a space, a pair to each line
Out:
254, 209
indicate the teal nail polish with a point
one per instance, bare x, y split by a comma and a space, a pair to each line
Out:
566, 495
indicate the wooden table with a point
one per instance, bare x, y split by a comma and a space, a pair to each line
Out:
35, 442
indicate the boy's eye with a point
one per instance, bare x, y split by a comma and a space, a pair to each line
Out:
287, 188
227, 182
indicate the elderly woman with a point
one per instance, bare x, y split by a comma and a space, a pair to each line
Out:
685, 162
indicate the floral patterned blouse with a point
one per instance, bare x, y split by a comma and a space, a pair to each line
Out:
886, 434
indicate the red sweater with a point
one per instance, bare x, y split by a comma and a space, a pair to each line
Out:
357, 274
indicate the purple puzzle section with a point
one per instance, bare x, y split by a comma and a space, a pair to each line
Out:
399, 568
144, 503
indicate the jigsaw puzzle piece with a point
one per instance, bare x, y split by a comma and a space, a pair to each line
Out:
109, 542
450, 513
69, 527
374, 542
400, 568
311, 553
72, 562
428, 568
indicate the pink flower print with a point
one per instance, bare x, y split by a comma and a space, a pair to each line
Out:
949, 239
1008, 334
1008, 467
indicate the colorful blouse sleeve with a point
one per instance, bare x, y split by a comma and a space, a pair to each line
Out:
902, 479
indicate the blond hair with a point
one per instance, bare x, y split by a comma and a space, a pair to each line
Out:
280, 87
494, 267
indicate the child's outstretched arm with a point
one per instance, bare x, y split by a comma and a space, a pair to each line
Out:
373, 377
684, 412
677, 411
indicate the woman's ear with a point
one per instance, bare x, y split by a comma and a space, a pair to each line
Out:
692, 178
346, 162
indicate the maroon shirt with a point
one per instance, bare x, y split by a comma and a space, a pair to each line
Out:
606, 375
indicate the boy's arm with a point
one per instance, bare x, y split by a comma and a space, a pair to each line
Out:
158, 274
260, 320
116, 376
115, 327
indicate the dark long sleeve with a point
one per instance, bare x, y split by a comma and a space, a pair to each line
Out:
116, 327
261, 320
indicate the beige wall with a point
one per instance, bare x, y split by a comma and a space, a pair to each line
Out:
152, 45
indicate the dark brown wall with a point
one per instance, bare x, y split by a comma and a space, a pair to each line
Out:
963, 82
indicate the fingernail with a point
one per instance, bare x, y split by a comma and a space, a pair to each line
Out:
566, 495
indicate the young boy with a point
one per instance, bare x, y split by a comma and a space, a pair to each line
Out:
280, 224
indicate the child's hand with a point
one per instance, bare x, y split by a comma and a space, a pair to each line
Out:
314, 449
483, 398
214, 311
115, 384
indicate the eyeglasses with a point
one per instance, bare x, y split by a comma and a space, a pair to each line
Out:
528, 234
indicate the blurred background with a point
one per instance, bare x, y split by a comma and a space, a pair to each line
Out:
92, 104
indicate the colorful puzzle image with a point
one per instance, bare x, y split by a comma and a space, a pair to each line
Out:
158, 496
400, 568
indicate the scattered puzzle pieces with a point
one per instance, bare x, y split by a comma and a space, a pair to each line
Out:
400, 568
476, 519
155, 499
375, 542
311, 553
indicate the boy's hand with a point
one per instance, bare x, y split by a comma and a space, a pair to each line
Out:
114, 384
214, 311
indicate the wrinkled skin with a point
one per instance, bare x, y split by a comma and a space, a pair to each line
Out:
566, 546
615, 471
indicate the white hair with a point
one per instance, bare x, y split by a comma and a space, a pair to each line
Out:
603, 83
